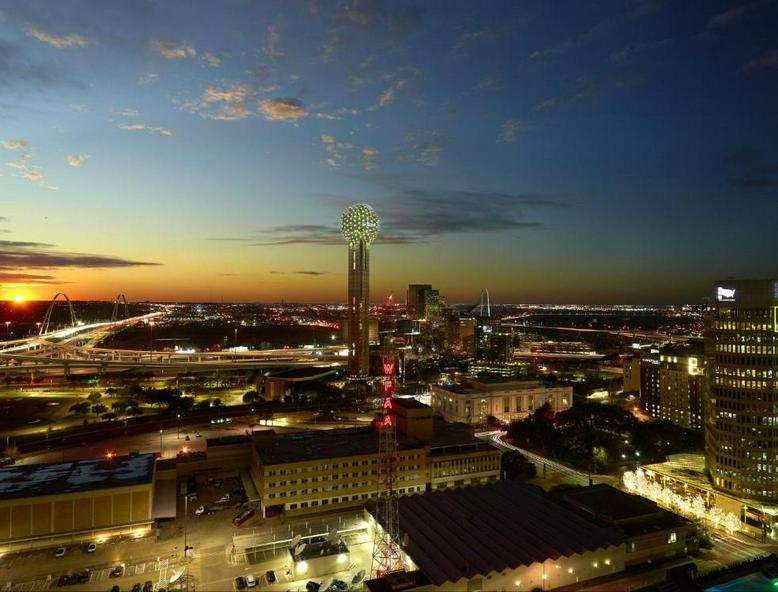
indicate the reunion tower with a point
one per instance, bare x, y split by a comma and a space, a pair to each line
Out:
360, 227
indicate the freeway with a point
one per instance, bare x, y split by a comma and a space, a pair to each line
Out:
645, 335
570, 475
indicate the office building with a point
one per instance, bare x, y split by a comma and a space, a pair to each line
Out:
305, 472
475, 400
741, 417
360, 227
416, 299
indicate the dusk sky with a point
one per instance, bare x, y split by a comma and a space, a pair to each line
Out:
549, 151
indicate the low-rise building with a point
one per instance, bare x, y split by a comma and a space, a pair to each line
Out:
49, 504
474, 401
300, 472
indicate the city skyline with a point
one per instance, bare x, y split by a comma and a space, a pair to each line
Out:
556, 154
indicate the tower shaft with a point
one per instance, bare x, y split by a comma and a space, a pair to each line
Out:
358, 308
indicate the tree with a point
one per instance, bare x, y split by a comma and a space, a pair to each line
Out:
108, 416
249, 397
99, 408
94, 397
79, 408
217, 402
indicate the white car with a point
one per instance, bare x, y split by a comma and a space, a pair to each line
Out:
199, 511
91, 548
60, 552
251, 581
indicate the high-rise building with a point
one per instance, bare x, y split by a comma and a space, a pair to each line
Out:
741, 415
416, 299
360, 227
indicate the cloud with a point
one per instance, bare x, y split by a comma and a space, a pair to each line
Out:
15, 144
129, 113
768, 59
327, 139
23, 166
78, 108
283, 109
468, 38
27, 279
734, 14
15, 255
66, 42
390, 94
227, 104
412, 215
172, 50
424, 148
488, 84
369, 158
148, 78
629, 52
751, 169
298, 272
211, 60
76, 160
509, 130
134, 127
273, 39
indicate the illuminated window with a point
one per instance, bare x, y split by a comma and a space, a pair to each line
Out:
672, 538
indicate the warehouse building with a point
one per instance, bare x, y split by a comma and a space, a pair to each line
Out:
44, 505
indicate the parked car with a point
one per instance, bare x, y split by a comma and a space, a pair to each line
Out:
91, 547
116, 588
240, 583
136, 588
198, 435
200, 511
312, 586
63, 580
339, 585
117, 571
192, 497
243, 517
80, 578
148, 586
270, 576
60, 552
251, 581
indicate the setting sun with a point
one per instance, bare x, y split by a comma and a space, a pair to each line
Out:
19, 298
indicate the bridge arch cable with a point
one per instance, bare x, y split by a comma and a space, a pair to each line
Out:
47, 317
484, 307
120, 299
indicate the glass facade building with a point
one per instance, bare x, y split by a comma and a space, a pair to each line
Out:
741, 417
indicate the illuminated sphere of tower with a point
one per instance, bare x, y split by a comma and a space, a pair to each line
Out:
360, 224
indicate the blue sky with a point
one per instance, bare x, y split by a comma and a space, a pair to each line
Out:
550, 151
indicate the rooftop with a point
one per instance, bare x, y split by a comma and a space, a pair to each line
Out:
301, 374
71, 477
320, 444
609, 504
487, 384
480, 529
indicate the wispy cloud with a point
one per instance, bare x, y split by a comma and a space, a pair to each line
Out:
509, 130
425, 148
389, 95
172, 50
15, 144
489, 84
283, 109
15, 255
273, 39
768, 59
24, 166
468, 38
138, 127
148, 78
27, 279
751, 169
732, 15
129, 113
298, 272
369, 158
76, 160
63, 42
629, 52
222, 104
211, 59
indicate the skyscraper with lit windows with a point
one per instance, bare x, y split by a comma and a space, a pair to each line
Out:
360, 227
741, 416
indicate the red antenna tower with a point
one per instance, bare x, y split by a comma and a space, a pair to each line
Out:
386, 548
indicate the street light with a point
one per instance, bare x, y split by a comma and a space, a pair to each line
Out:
151, 335
8, 330
160, 444
235, 342
178, 434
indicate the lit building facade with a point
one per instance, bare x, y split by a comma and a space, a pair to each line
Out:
741, 417
507, 400
360, 227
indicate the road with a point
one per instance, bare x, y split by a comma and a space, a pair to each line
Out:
569, 474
